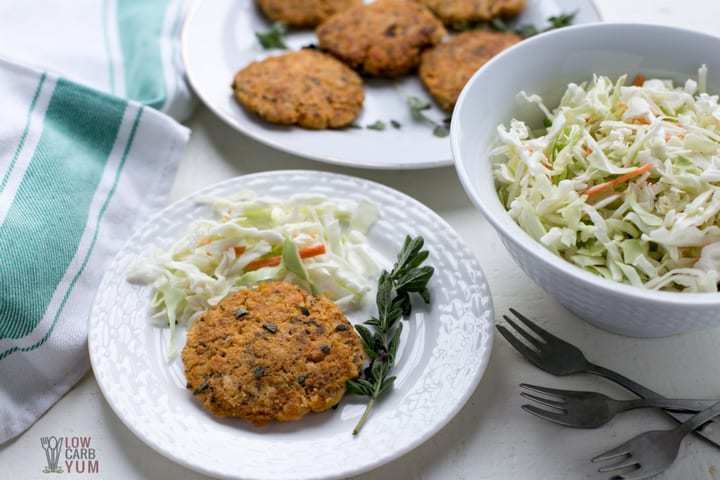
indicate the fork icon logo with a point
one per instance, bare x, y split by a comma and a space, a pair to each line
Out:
52, 447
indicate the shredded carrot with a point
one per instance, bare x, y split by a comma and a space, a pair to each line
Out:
307, 252
641, 121
621, 179
239, 250
639, 80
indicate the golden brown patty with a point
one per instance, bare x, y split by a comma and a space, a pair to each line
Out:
304, 13
270, 353
446, 68
453, 12
307, 88
384, 38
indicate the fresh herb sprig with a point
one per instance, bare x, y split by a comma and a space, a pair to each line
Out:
381, 334
273, 38
417, 110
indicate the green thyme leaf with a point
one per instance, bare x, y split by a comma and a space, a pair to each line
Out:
562, 20
273, 38
387, 384
378, 125
555, 22
417, 107
441, 131
394, 342
499, 25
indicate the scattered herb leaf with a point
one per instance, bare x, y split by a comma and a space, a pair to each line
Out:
378, 125
381, 341
354, 126
499, 25
417, 109
273, 38
555, 22
441, 131
562, 20
396, 125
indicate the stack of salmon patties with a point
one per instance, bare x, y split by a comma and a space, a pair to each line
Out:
322, 87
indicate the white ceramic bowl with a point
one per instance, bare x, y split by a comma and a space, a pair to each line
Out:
545, 65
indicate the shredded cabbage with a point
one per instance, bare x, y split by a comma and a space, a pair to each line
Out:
214, 258
624, 181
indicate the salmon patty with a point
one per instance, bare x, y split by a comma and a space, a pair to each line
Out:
458, 12
306, 88
304, 13
445, 69
384, 38
271, 353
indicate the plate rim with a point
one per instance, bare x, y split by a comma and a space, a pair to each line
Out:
415, 443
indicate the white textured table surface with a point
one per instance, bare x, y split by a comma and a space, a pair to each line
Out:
491, 438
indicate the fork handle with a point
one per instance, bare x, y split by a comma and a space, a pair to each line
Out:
623, 381
710, 431
699, 419
676, 405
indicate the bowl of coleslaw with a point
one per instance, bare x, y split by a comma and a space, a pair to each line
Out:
594, 151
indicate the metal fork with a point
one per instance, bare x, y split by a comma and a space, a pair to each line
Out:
652, 453
579, 409
558, 357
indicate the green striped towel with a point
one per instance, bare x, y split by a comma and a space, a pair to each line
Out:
79, 169
129, 48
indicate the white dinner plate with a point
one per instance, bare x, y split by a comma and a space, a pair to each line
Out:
443, 353
219, 39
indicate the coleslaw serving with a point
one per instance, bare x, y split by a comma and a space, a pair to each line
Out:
623, 181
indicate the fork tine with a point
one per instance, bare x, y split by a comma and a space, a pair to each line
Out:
621, 465
543, 401
534, 341
547, 391
554, 417
544, 334
623, 449
530, 354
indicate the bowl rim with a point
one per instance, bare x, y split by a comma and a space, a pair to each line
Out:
503, 222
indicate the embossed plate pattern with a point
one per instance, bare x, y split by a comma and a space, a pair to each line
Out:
445, 349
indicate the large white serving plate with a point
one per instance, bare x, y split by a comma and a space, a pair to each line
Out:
219, 39
444, 350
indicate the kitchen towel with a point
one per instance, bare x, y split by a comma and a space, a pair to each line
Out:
79, 169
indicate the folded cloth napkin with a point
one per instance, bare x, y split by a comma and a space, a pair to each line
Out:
129, 48
79, 169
